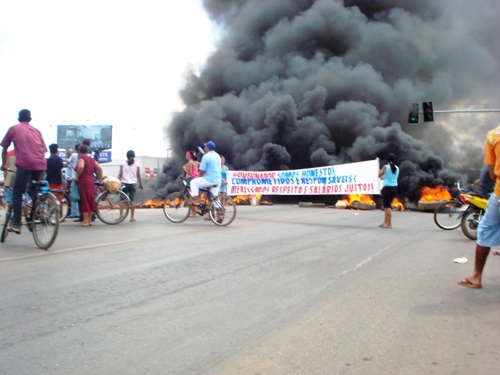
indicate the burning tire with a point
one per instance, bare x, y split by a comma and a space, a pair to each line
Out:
470, 222
176, 207
448, 215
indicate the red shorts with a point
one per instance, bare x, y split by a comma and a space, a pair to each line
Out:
56, 187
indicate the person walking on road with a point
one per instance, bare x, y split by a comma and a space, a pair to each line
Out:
389, 173
71, 173
85, 179
488, 230
130, 174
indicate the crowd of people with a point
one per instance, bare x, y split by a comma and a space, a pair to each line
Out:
27, 163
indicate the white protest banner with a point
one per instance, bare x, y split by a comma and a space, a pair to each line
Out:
342, 179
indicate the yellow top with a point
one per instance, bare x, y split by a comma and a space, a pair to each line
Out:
492, 155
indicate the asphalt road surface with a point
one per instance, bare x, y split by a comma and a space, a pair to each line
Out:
282, 290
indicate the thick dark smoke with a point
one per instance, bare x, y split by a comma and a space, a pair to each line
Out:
303, 83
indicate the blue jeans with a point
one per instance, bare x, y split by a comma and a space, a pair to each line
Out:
488, 231
23, 177
8, 194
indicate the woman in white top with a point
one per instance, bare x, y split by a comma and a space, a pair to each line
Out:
130, 174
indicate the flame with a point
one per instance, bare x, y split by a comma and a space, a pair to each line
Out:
435, 194
242, 198
397, 205
151, 204
157, 203
363, 198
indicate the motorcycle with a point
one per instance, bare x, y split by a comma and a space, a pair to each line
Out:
474, 213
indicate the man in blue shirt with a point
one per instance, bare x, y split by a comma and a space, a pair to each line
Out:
209, 173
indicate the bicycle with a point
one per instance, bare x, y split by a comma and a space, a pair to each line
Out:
42, 218
448, 215
63, 198
64, 202
177, 205
112, 207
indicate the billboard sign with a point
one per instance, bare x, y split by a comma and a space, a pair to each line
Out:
104, 156
70, 135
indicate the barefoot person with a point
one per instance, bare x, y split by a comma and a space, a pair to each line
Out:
190, 172
488, 231
85, 180
130, 174
389, 173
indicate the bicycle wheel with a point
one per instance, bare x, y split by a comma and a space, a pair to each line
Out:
8, 216
448, 214
45, 224
176, 207
112, 208
65, 203
222, 210
470, 222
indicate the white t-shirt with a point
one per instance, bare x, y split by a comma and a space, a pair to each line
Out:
129, 172
72, 164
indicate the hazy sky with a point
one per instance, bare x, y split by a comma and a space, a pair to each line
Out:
118, 62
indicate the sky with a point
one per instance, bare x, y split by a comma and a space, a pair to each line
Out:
94, 62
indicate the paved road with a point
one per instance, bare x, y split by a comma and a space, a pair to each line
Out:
282, 290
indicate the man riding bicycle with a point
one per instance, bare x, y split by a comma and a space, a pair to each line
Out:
30, 161
209, 173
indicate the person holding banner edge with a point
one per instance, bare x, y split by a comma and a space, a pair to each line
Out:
389, 173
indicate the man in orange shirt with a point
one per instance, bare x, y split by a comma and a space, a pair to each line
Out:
488, 231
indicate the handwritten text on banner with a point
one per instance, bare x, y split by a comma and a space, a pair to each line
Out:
343, 179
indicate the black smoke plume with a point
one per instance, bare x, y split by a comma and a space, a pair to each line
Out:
302, 83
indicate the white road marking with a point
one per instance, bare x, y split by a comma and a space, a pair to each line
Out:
44, 252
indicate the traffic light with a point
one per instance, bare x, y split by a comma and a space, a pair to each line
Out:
428, 111
413, 114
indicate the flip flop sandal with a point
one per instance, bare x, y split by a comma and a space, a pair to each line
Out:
469, 284
14, 230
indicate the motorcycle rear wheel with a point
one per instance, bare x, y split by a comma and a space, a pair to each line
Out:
470, 222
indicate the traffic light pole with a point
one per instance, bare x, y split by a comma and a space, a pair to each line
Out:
428, 111
464, 110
